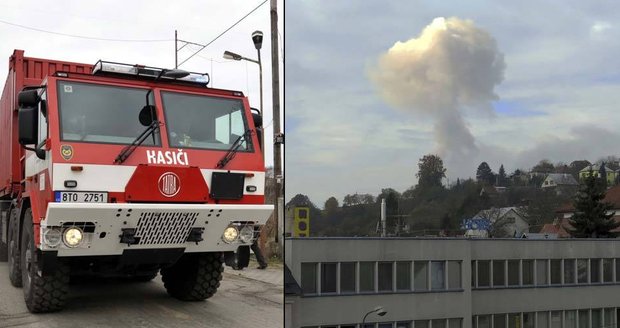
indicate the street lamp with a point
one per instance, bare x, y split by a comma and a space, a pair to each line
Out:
257, 39
378, 310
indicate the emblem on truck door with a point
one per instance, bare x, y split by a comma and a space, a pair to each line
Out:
66, 151
169, 184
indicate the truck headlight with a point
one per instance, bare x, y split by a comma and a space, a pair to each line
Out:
247, 234
52, 237
72, 237
230, 234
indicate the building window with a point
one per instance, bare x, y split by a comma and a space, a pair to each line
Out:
367, 277
454, 322
420, 278
347, 277
582, 271
597, 321
385, 276
438, 323
484, 268
569, 272
556, 319
617, 270
556, 272
570, 319
438, 275
499, 321
528, 320
484, 321
542, 320
499, 273
595, 271
541, 272
421, 323
328, 278
514, 320
513, 272
308, 278
608, 270
528, 272
454, 274
609, 317
385, 325
403, 276
584, 319
403, 324
473, 273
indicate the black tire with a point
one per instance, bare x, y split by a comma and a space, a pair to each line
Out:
195, 277
15, 268
4, 246
45, 292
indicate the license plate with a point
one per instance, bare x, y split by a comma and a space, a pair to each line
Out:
81, 197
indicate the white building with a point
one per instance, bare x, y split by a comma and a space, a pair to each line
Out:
455, 283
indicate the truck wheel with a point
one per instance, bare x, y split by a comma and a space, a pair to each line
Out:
4, 246
15, 271
195, 277
42, 292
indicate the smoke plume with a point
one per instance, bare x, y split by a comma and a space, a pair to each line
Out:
450, 66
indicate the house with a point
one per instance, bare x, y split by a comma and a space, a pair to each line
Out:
562, 183
496, 222
561, 225
595, 168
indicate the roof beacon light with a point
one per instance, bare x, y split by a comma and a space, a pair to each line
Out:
104, 67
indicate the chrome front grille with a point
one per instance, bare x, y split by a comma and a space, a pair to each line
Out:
158, 228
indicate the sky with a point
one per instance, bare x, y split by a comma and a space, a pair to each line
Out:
372, 88
196, 21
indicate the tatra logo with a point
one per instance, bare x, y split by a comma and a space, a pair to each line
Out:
66, 151
169, 184
167, 157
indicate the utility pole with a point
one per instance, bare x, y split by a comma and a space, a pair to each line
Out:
278, 137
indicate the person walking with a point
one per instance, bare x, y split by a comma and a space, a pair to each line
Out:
262, 264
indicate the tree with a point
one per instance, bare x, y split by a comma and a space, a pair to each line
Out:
500, 225
484, 173
331, 206
501, 176
591, 219
544, 166
602, 172
430, 171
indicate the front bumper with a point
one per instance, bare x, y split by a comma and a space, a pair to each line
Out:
156, 226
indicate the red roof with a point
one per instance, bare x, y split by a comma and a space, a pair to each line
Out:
612, 195
564, 225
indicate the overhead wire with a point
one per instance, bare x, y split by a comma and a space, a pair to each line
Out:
225, 31
83, 36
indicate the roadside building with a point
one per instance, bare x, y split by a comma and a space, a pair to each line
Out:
562, 183
496, 222
455, 283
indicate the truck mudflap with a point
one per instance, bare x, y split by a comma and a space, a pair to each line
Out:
111, 228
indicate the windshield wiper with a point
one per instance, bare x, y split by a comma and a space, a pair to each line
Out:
232, 151
128, 150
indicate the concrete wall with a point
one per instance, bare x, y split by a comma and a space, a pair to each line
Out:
349, 309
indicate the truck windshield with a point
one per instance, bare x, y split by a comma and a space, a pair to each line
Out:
203, 122
101, 113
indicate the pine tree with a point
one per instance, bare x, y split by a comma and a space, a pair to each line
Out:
591, 219
501, 176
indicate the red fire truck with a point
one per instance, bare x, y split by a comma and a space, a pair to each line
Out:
130, 170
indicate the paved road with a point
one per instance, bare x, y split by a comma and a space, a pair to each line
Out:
248, 298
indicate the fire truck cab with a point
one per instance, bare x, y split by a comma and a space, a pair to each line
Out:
126, 170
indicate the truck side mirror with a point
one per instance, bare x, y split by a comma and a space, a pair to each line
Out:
28, 98
28, 120
257, 117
